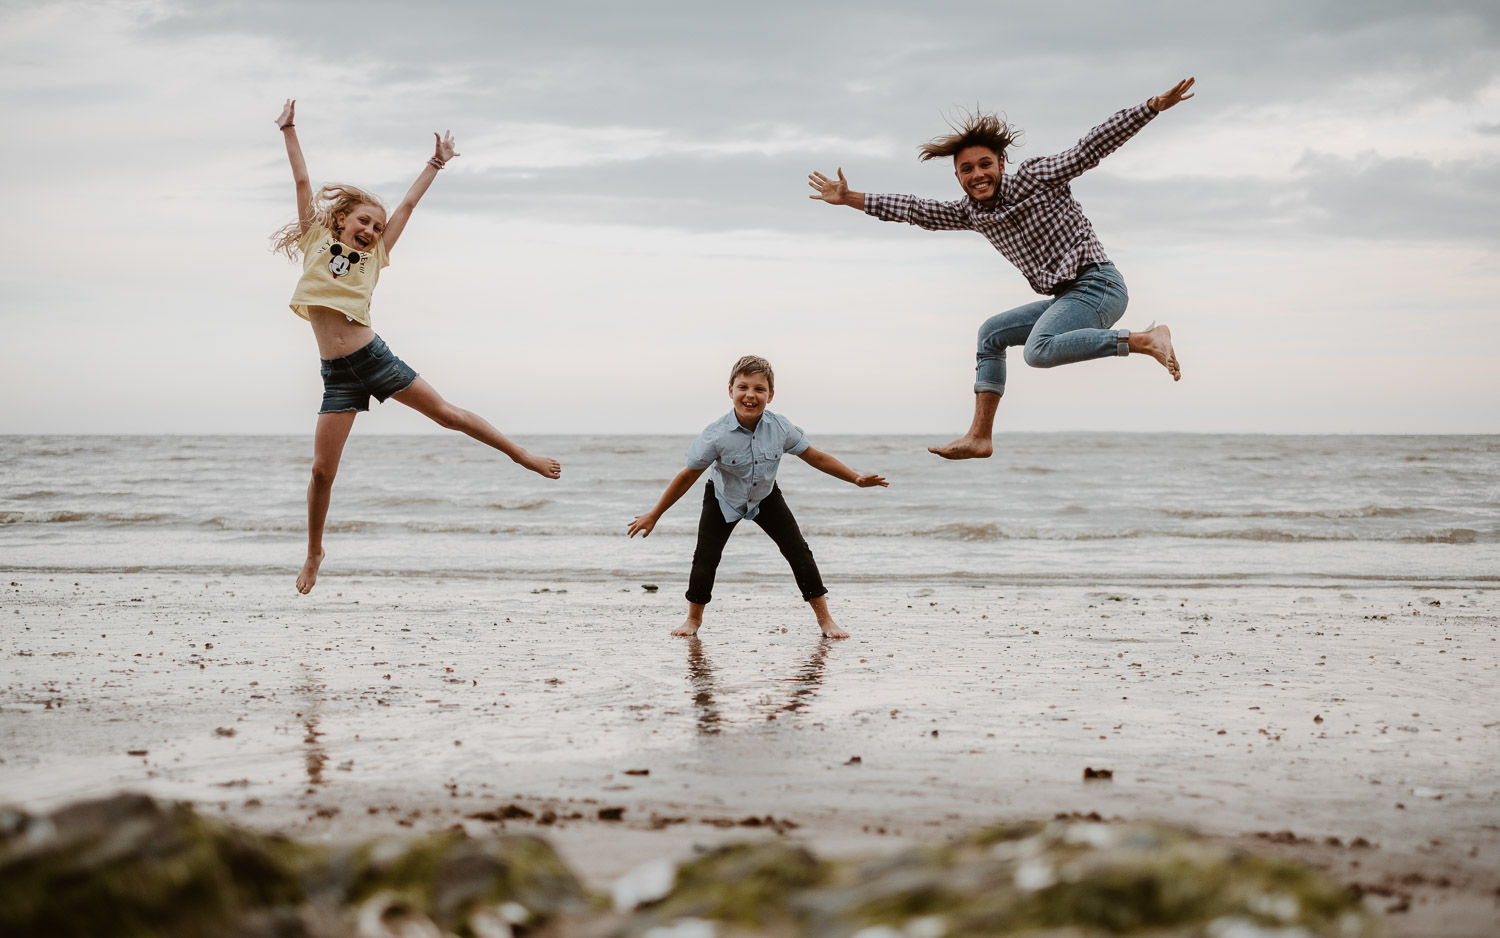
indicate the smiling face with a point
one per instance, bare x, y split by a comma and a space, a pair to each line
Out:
978, 170
750, 394
361, 226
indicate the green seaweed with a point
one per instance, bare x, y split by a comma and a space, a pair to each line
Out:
447, 875
748, 884
129, 866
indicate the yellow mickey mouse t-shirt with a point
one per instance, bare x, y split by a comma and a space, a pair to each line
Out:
337, 276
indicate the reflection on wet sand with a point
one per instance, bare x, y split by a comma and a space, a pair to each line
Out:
316, 755
804, 686
701, 676
809, 678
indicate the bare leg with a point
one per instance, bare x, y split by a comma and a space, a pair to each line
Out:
976, 443
425, 400
830, 628
1156, 342
328, 448
694, 621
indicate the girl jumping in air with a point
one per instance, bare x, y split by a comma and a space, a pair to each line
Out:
344, 237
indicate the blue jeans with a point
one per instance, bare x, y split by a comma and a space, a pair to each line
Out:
1073, 326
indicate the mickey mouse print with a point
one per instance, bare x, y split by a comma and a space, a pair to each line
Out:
342, 260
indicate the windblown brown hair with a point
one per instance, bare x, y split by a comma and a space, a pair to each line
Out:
326, 205
977, 129
754, 365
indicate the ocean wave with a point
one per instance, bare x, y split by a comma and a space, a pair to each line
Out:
1287, 514
529, 505
987, 532
287, 525
40, 493
77, 517
401, 501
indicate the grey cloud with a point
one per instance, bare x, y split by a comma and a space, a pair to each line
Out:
1404, 198
850, 67
1488, 128
1367, 198
887, 71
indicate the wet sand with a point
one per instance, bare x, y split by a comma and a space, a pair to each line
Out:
1285, 718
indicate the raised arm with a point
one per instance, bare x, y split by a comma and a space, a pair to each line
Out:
678, 487
394, 225
823, 462
299, 165
1102, 140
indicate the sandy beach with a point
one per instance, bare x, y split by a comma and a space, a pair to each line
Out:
1351, 726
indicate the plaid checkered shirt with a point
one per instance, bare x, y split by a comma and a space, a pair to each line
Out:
1036, 223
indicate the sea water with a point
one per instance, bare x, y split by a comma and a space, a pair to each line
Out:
1067, 507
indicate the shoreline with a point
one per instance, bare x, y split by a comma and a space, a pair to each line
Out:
1238, 710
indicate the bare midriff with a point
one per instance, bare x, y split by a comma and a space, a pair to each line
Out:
337, 334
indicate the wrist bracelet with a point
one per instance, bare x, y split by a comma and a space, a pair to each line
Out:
286, 126
436, 163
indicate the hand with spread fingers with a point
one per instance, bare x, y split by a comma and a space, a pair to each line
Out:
832, 191
445, 147
1178, 92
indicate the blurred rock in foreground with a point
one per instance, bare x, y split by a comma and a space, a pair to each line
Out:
130, 866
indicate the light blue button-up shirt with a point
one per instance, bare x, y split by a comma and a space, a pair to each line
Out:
745, 463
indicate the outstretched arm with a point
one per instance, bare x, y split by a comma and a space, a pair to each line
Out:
1103, 140
925, 213
678, 487
397, 222
299, 165
823, 462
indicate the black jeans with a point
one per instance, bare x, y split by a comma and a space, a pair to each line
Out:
775, 518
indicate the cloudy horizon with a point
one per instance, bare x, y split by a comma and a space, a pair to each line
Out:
629, 213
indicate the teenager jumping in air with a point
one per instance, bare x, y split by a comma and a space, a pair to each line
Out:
1032, 219
744, 449
344, 237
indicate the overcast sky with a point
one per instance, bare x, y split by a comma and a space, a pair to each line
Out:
1320, 225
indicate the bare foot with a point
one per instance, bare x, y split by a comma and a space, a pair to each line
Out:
541, 465
309, 574
1157, 342
831, 629
688, 628
965, 447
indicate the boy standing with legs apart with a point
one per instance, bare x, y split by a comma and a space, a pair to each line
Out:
1033, 220
344, 237
745, 447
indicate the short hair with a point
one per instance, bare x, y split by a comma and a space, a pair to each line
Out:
979, 129
754, 365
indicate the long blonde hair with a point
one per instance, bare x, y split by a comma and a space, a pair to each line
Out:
325, 207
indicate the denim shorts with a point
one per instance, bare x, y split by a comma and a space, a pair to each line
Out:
348, 381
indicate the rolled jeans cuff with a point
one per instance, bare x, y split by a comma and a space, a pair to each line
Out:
985, 387
1122, 342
